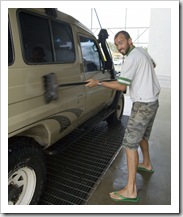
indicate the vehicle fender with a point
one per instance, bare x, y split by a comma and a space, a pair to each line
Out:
47, 130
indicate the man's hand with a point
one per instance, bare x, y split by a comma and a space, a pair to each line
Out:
92, 83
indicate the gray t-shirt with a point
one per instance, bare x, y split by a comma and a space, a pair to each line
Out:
138, 73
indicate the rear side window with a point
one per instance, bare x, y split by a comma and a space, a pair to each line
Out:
63, 42
10, 47
36, 38
45, 41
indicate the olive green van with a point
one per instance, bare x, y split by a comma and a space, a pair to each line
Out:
43, 42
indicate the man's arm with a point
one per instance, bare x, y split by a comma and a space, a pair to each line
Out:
112, 84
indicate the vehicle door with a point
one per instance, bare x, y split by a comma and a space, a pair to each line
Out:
93, 67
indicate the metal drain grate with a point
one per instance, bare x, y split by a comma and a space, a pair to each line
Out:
74, 173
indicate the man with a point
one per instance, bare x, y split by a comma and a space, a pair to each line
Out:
138, 73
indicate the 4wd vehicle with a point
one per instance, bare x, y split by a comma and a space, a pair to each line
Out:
45, 42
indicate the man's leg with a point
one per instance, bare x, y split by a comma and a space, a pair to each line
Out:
144, 145
146, 163
130, 190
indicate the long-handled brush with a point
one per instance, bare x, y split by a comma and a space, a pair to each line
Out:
51, 86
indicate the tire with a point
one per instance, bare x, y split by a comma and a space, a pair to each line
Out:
26, 171
115, 117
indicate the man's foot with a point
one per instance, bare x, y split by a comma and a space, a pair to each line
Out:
144, 168
116, 196
125, 192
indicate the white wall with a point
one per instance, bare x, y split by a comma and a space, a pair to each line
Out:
160, 40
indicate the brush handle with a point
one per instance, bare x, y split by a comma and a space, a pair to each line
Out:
72, 84
80, 83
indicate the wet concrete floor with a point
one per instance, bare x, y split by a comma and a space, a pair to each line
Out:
153, 189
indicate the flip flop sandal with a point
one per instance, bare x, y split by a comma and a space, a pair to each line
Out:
126, 199
139, 168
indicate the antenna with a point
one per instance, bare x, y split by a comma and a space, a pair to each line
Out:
98, 18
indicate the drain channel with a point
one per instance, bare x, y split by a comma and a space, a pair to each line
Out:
74, 172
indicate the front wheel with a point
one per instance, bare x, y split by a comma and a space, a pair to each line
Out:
26, 171
116, 116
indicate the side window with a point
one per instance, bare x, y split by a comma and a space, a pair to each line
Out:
36, 38
63, 42
90, 54
10, 48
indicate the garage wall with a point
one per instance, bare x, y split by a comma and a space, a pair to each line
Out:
160, 40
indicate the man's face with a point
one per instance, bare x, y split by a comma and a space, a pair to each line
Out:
122, 44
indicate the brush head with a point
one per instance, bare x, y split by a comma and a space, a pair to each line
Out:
50, 87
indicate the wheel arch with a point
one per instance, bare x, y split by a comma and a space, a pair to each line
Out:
43, 132
40, 133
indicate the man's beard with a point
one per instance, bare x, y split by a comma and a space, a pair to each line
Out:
124, 52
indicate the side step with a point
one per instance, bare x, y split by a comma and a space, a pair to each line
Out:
83, 129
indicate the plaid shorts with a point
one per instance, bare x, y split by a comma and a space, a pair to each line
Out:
140, 123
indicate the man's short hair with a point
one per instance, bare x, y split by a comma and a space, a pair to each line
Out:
126, 34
